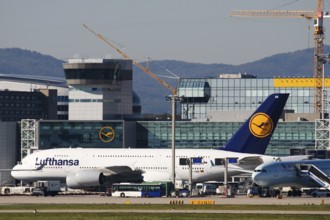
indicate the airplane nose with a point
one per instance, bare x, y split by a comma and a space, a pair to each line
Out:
14, 173
254, 176
257, 178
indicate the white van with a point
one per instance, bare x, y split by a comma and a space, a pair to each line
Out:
205, 189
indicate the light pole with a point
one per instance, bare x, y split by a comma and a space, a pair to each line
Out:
174, 98
227, 161
173, 139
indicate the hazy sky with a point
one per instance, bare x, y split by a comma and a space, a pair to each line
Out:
190, 30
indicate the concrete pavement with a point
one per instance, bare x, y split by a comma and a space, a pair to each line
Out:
96, 199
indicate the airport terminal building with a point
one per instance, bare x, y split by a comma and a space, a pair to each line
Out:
212, 110
102, 111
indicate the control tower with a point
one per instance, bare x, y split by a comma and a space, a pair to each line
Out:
99, 89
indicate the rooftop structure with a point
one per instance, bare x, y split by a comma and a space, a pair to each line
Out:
35, 97
99, 89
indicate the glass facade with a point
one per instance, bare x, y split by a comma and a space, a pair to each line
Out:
98, 134
157, 134
195, 91
287, 135
242, 94
98, 74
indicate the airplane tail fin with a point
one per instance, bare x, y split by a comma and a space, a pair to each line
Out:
254, 135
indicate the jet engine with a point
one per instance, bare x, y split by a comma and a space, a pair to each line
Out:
84, 178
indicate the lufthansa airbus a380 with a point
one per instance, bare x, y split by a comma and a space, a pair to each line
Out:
82, 167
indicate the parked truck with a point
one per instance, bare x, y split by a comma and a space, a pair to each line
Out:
45, 188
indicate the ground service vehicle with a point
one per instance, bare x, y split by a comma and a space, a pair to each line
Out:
16, 190
45, 188
320, 193
206, 188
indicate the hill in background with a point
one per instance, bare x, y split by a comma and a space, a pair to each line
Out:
25, 62
151, 93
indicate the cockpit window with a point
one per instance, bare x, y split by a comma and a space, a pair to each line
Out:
260, 171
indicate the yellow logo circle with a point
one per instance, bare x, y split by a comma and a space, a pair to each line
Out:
261, 125
107, 134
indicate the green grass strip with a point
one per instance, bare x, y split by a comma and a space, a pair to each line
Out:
147, 216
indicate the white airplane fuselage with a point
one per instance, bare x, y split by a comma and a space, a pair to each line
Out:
156, 164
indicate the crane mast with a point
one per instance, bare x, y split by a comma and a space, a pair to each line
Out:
317, 15
318, 50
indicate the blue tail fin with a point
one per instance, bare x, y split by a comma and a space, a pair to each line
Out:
254, 135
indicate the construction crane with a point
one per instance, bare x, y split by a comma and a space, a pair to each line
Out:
139, 65
174, 98
317, 15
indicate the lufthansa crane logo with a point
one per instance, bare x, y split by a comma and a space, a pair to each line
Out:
261, 125
107, 134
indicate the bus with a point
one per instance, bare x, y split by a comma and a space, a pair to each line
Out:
137, 190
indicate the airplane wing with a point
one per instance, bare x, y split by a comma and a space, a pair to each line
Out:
295, 158
248, 161
122, 173
257, 160
240, 170
246, 164
113, 170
